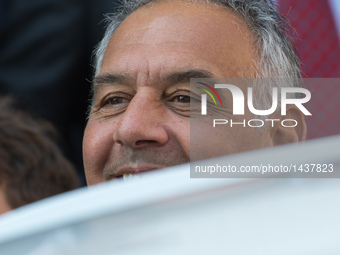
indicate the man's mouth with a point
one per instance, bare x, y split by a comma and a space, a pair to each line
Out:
128, 173
130, 177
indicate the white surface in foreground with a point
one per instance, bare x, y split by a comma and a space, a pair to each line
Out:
166, 212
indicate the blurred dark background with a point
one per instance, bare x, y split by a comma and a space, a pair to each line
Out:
45, 56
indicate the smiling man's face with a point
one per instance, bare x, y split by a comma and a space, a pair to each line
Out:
140, 119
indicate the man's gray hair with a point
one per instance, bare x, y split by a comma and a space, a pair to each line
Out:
276, 57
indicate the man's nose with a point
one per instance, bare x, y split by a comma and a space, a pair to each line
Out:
142, 124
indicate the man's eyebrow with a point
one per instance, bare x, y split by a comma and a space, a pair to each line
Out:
184, 77
172, 78
110, 79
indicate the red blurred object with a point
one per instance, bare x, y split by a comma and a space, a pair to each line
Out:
315, 38
318, 47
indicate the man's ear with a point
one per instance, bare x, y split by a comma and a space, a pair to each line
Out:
290, 134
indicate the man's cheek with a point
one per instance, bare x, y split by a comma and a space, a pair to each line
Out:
209, 142
181, 134
96, 146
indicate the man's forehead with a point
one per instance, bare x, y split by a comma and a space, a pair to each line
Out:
196, 15
195, 32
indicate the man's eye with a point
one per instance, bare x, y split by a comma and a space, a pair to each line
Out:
114, 101
182, 99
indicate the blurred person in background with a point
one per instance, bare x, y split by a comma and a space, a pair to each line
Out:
32, 167
45, 51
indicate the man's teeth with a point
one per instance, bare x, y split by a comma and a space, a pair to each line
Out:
129, 177
125, 176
